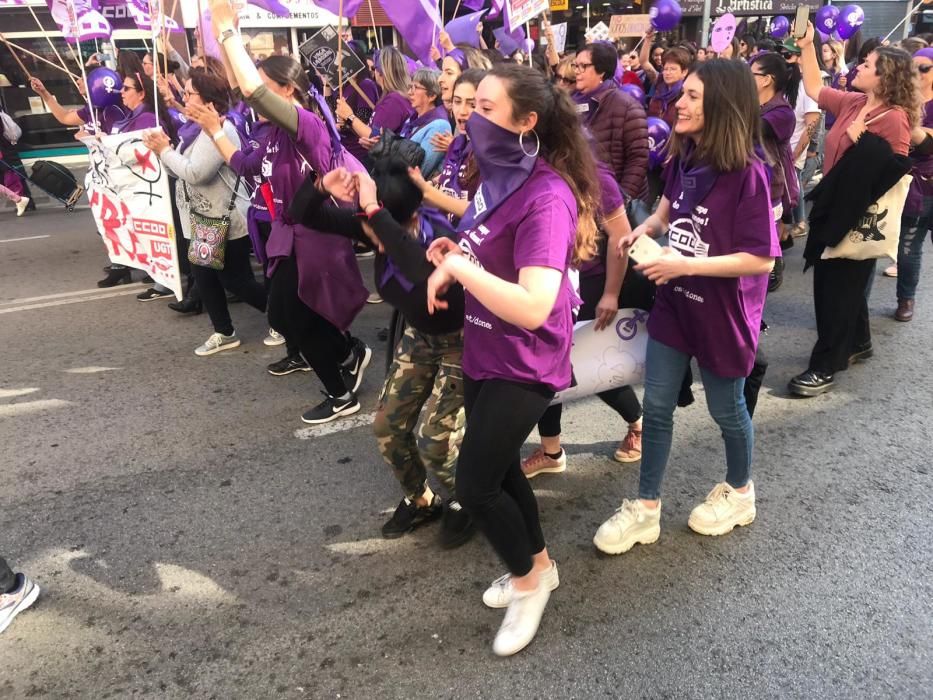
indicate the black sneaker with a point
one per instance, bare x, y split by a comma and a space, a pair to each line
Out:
862, 352
456, 526
152, 294
352, 371
409, 515
331, 409
287, 365
776, 276
811, 383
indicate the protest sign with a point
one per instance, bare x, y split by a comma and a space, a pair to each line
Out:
321, 52
629, 25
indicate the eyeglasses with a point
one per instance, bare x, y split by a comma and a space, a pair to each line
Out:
580, 67
412, 88
567, 81
786, 55
189, 93
925, 69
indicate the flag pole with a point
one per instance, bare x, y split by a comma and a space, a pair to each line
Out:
372, 17
36, 56
340, 50
16, 57
527, 39
154, 29
51, 45
73, 19
906, 17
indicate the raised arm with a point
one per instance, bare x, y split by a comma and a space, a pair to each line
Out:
644, 56
68, 117
809, 65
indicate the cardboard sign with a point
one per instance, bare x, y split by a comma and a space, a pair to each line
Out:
521, 11
564, 5
321, 52
560, 36
598, 32
629, 25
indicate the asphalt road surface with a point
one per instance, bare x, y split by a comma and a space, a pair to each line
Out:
194, 540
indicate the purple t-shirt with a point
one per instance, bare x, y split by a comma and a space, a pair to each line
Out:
391, 112
106, 118
921, 187
139, 118
534, 227
452, 179
610, 199
715, 319
348, 136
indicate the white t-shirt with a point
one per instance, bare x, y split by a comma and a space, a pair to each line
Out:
805, 105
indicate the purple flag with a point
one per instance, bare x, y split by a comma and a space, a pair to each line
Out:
418, 22
462, 30
475, 5
350, 7
495, 9
273, 6
509, 42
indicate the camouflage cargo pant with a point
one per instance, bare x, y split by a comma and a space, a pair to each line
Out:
425, 376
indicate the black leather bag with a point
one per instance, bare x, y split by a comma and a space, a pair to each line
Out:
637, 212
391, 144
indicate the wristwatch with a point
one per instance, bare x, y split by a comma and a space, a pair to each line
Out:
225, 34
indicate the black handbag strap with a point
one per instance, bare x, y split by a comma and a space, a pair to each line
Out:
236, 187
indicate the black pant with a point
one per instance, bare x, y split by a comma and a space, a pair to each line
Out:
321, 343
237, 276
840, 298
490, 483
265, 230
7, 577
622, 399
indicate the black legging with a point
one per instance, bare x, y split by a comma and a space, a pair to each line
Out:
237, 276
321, 343
7, 577
840, 298
490, 484
265, 230
636, 293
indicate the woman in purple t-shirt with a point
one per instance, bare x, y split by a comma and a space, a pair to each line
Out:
712, 283
531, 217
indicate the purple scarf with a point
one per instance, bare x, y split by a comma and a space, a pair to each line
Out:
592, 98
414, 122
125, 124
187, 134
431, 222
503, 167
665, 93
696, 181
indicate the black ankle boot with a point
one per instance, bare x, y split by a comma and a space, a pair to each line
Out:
115, 277
187, 306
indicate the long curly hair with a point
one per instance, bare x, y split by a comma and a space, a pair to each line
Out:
899, 85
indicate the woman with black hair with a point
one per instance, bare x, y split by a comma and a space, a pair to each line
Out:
208, 187
316, 289
427, 362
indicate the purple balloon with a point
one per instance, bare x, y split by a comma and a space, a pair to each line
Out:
824, 37
780, 26
104, 87
851, 18
658, 135
529, 45
827, 18
665, 15
634, 91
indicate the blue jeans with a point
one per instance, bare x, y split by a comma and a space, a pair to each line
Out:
664, 373
910, 250
800, 213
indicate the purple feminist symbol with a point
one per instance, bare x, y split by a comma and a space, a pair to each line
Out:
627, 326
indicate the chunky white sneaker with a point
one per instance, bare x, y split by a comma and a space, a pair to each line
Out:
21, 205
17, 600
218, 342
723, 509
274, 339
521, 621
500, 592
633, 523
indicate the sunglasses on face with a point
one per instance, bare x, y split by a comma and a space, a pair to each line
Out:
127, 88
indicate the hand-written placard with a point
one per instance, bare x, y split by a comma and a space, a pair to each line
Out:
629, 25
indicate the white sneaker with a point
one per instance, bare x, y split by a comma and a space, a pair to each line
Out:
218, 342
21, 205
374, 298
633, 523
521, 621
274, 339
500, 592
723, 509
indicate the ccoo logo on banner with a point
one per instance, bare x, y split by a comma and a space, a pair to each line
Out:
129, 196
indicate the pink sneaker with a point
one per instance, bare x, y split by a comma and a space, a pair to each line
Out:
540, 463
630, 449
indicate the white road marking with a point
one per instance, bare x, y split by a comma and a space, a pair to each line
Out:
368, 546
65, 295
23, 238
22, 409
91, 370
64, 302
13, 393
338, 426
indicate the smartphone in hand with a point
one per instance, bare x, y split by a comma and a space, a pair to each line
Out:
800, 21
644, 249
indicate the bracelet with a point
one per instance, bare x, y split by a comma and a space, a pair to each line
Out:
364, 207
219, 135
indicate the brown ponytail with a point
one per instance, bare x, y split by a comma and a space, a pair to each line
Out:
563, 144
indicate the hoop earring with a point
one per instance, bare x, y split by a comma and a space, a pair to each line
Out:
521, 143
